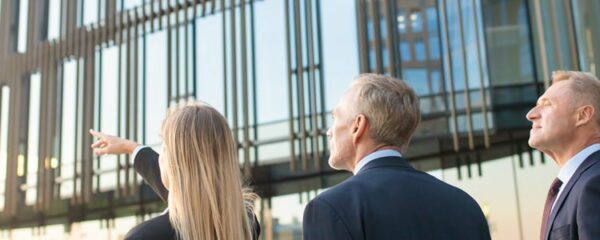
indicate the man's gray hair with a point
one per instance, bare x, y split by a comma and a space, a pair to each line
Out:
585, 86
391, 107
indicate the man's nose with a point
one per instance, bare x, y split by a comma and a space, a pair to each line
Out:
532, 114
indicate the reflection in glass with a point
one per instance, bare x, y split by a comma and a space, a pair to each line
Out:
54, 16
417, 79
416, 21
553, 38
405, 51
587, 25
90, 11
419, 50
419, 54
108, 110
156, 85
271, 66
209, 59
129, 4
4, 111
401, 19
33, 133
69, 125
23, 25
507, 35
340, 44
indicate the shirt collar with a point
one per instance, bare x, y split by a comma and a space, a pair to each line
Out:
567, 171
375, 155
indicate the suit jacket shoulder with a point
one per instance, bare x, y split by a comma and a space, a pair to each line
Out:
576, 213
388, 199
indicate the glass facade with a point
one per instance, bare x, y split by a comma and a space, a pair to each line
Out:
275, 69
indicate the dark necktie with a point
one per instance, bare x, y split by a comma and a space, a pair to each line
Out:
552, 193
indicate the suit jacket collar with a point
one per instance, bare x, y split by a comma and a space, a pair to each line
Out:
386, 162
589, 161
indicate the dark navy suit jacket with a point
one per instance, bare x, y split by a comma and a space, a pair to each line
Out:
146, 164
388, 199
576, 213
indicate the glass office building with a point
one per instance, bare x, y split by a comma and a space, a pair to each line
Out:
275, 69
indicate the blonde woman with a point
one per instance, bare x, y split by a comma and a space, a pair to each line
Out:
197, 174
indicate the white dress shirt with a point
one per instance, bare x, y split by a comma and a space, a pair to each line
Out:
567, 171
375, 155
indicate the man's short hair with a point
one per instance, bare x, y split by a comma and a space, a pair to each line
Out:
585, 86
391, 107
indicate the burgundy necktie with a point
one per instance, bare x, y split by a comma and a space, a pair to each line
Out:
554, 188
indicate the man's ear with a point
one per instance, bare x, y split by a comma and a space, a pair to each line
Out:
359, 127
585, 114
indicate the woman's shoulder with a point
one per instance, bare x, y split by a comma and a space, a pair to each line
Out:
155, 228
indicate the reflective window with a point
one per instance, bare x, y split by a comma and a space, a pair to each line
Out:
405, 51
271, 62
271, 78
587, 25
156, 86
416, 22
507, 36
417, 79
340, 48
23, 26
90, 11
54, 18
419, 50
209, 59
108, 113
33, 140
129, 4
70, 128
401, 18
4, 114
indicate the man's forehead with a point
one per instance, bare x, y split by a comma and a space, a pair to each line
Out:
558, 92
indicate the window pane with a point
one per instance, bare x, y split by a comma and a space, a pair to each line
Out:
340, 48
271, 62
68, 128
401, 18
108, 110
209, 85
507, 35
587, 23
54, 16
419, 50
23, 25
33, 138
90, 11
417, 79
416, 20
405, 51
156, 85
129, 4
4, 111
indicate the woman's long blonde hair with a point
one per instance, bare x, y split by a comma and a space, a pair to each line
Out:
206, 197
